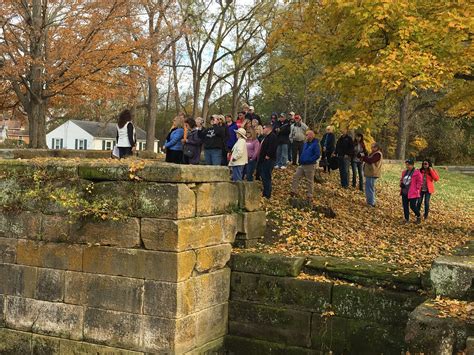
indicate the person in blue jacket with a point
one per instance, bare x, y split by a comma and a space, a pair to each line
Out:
173, 144
307, 161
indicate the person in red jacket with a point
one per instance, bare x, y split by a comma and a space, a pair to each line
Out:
410, 188
427, 188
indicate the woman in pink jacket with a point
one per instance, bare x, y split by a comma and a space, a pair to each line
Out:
429, 176
410, 188
253, 149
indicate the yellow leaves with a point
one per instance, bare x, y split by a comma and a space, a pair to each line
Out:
451, 308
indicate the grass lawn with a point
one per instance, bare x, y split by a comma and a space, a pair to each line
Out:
363, 232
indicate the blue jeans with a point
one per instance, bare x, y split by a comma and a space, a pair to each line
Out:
427, 197
249, 169
413, 204
266, 167
237, 172
213, 156
357, 170
282, 155
370, 190
344, 171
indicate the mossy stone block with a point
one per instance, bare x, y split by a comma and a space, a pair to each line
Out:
267, 264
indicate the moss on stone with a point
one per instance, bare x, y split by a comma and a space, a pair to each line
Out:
267, 264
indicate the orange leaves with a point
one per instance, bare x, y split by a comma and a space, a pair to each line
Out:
362, 232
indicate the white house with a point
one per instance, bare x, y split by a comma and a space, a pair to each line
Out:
76, 134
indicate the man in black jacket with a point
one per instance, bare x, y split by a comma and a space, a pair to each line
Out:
213, 141
344, 152
266, 159
282, 129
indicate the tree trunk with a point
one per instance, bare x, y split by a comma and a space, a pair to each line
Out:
403, 125
151, 110
177, 101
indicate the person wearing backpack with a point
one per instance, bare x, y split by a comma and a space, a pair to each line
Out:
410, 188
427, 188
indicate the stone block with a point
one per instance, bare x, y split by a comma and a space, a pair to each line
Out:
245, 243
149, 199
250, 196
50, 285
169, 299
8, 250
267, 264
211, 323
26, 225
2, 311
230, 230
13, 342
185, 234
375, 305
153, 171
217, 198
281, 291
251, 225
124, 233
212, 258
103, 291
17, 280
430, 333
49, 255
71, 347
275, 324
56, 229
113, 328
44, 345
363, 271
212, 288
152, 265
56, 319
250, 346
174, 336
355, 336
214, 347
452, 276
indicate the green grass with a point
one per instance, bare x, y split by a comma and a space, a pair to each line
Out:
454, 189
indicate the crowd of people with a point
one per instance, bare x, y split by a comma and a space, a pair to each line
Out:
252, 149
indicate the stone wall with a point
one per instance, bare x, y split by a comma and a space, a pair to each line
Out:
282, 305
154, 281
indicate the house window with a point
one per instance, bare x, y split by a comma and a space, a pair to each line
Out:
81, 144
108, 144
141, 145
57, 143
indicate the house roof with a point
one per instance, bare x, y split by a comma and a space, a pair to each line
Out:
105, 130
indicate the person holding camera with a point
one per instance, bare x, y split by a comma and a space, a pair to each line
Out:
410, 188
427, 188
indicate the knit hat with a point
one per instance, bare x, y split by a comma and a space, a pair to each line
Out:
410, 161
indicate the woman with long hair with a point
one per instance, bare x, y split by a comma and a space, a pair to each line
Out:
430, 176
253, 149
359, 148
192, 143
126, 135
173, 143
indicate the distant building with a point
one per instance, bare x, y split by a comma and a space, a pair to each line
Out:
82, 135
14, 130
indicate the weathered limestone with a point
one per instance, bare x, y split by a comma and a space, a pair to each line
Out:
267, 264
185, 234
250, 227
430, 333
153, 281
453, 276
212, 199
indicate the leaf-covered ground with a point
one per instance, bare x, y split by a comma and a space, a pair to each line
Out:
359, 231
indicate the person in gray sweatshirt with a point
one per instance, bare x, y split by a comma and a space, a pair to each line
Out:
297, 138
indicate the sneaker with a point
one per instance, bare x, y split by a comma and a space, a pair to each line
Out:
276, 167
283, 167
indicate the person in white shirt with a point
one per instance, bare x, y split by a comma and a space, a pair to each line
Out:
126, 135
239, 157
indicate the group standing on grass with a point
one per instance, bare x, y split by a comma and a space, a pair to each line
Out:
252, 150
